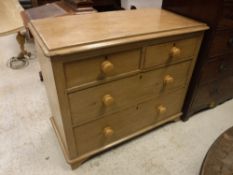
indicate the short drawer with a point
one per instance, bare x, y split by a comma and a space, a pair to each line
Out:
99, 68
93, 103
157, 82
112, 128
222, 43
170, 52
164, 106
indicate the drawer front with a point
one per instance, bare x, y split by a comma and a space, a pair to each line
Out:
218, 68
109, 129
170, 52
226, 20
93, 103
119, 125
100, 68
212, 94
206, 97
165, 79
222, 43
164, 106
225, 89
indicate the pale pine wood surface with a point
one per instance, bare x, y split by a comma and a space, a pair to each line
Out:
79, 33
161, 54
126, 92
171, 102
140, 90
126, 122
86, 105
10, 18
84, 71
153, 82
82, 109
49, 81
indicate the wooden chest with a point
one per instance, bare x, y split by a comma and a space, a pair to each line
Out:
115, 75
212, 81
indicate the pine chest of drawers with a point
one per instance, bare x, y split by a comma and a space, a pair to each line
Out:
113, 76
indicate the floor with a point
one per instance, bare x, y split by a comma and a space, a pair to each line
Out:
29, 146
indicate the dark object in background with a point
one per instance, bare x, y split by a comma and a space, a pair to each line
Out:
26, 4
107, 5
133, 7
212, 82
99, 5
80, 5
219, 158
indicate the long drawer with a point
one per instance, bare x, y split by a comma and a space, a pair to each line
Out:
102, 132
117, 95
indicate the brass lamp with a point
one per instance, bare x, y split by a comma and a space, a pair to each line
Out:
11, 22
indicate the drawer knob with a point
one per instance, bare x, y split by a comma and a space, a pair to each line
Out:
108, 100
108, 132
162, 109
107, 67
175, 52
212, 104
168, 79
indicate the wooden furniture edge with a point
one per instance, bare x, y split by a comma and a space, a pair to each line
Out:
216, 141
40, 42
12, 31
112, 42
74, 163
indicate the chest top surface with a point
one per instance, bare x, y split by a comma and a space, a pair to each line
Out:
69, 34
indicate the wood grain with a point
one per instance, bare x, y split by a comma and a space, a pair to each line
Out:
85, 71
220, 156
97, 34
92, 136
161, 54
10, 18
87, 104
102, 90
153, 82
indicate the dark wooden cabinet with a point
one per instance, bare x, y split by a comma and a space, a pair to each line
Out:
212, 81
99, 5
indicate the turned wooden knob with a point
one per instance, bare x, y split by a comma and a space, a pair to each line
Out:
108, 131
108, 100
162, 109
107, 67
175, 52
168, 79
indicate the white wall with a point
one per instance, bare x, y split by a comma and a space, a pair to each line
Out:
141, 3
